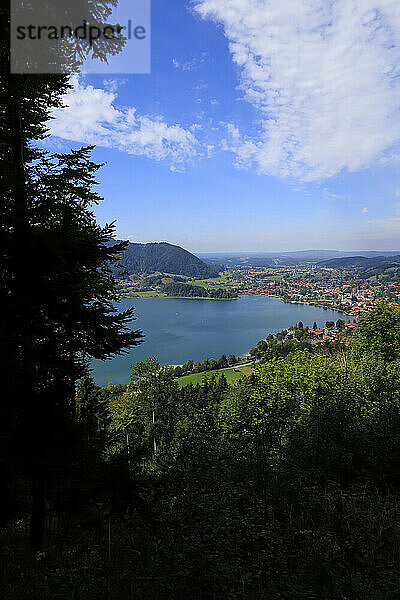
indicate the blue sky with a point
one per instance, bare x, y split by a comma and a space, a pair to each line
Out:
262, 126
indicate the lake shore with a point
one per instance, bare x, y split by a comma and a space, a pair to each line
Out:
149, 297
177, 330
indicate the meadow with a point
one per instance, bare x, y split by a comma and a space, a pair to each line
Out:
232, 376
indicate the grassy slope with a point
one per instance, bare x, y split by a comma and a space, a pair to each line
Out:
209, 284
247, 370
213, 283
231, 376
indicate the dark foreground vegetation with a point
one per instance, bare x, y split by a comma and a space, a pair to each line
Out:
284, 486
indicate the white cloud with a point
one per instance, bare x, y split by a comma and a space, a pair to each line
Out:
201, 86
112, 85
364, 210
324, 76
244, 149
92, 117
191, 64
328, 194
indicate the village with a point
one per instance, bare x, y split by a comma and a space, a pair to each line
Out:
348, 292
319, 286
332, 332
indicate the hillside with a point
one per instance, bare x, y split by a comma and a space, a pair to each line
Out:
380, 268
360, 261
162, 257
352, 261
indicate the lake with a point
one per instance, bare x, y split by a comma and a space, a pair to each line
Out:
178, 329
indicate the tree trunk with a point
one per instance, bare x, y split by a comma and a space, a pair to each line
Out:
38, 514
154, 436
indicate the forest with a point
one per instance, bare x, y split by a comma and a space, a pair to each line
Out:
196, 291
160, 256
285, 485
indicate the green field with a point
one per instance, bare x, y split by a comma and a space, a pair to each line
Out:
214, 282
246, 370
231, 377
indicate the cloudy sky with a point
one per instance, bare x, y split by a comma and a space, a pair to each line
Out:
264, 125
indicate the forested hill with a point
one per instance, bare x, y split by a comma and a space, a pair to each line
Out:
161, 256
378, 268
360, 261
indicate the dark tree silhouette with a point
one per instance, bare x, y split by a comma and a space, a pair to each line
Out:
57, 289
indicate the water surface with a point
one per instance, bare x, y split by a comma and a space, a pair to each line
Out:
178, 329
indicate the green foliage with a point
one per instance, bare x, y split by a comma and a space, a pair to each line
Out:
258, 351
92, 413
286, 392
207, 365
378, 333
231, 375
285, 485
152, 394
231, 359
340, 324
162, 257
196, 291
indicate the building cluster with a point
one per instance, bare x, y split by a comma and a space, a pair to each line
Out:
323, 334
318, 286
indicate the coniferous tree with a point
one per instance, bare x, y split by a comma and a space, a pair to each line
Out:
56, 287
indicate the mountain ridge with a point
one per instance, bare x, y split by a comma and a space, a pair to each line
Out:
152, 257
296, 257
360, 261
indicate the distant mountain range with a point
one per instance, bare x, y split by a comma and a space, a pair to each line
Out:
139, 259
360, 261
260, 259
144, 259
